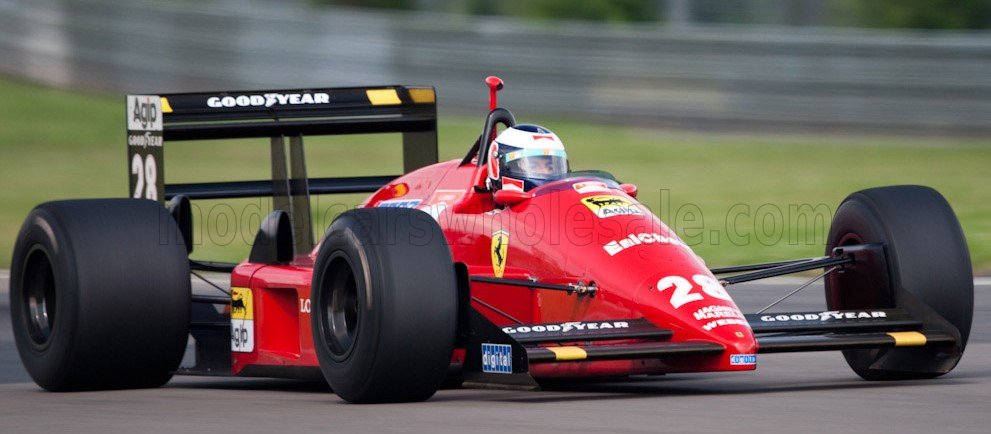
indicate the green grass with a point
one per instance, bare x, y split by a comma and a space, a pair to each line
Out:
59, 144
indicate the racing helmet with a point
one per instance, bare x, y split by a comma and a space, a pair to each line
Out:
525, 156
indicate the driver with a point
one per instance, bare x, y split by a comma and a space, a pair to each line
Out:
525, 156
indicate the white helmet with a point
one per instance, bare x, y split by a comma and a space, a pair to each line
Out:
525, 156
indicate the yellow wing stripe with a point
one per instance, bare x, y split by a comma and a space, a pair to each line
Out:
383, 97
166, 108
422, 95
563, 354
908, 339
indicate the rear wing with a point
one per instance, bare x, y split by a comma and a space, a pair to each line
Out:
154, 120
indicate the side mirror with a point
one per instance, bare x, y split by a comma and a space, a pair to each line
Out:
629, 189
511, 197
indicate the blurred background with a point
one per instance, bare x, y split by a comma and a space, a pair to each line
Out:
744, 123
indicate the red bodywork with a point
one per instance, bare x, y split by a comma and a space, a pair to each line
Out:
640, 268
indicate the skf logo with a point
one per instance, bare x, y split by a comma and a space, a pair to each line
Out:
500, 246
606, 206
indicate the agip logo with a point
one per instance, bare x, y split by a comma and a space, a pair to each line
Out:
242, 321
606, 206
144, 113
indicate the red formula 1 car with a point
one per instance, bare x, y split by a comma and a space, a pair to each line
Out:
502, 267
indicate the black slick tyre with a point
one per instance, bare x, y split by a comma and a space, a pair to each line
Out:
100, 294
384, 305
927, 273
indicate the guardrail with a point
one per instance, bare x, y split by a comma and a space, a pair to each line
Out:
725, 77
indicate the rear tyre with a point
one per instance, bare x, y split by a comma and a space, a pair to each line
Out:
929, 274
100, 294
384, 305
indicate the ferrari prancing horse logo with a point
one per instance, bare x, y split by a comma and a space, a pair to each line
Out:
500, 246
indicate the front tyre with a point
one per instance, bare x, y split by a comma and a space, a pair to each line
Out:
384, 305
929, 274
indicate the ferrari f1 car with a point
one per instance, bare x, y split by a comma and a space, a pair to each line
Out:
449, 271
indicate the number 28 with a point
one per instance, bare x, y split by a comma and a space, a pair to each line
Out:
683, 289
147, 173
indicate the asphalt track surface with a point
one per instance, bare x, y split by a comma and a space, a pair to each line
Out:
795, 393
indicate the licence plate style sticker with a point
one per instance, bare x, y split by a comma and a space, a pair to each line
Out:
743, 359
242, 321
497, 358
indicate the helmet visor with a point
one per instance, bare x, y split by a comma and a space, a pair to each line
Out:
537, 164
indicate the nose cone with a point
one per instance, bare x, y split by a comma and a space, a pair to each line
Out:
640, 266
691, 301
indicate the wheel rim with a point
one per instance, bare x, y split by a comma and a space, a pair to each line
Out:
40, 300
341, 315
849, 238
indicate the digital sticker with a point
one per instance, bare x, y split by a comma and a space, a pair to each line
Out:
497, 358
